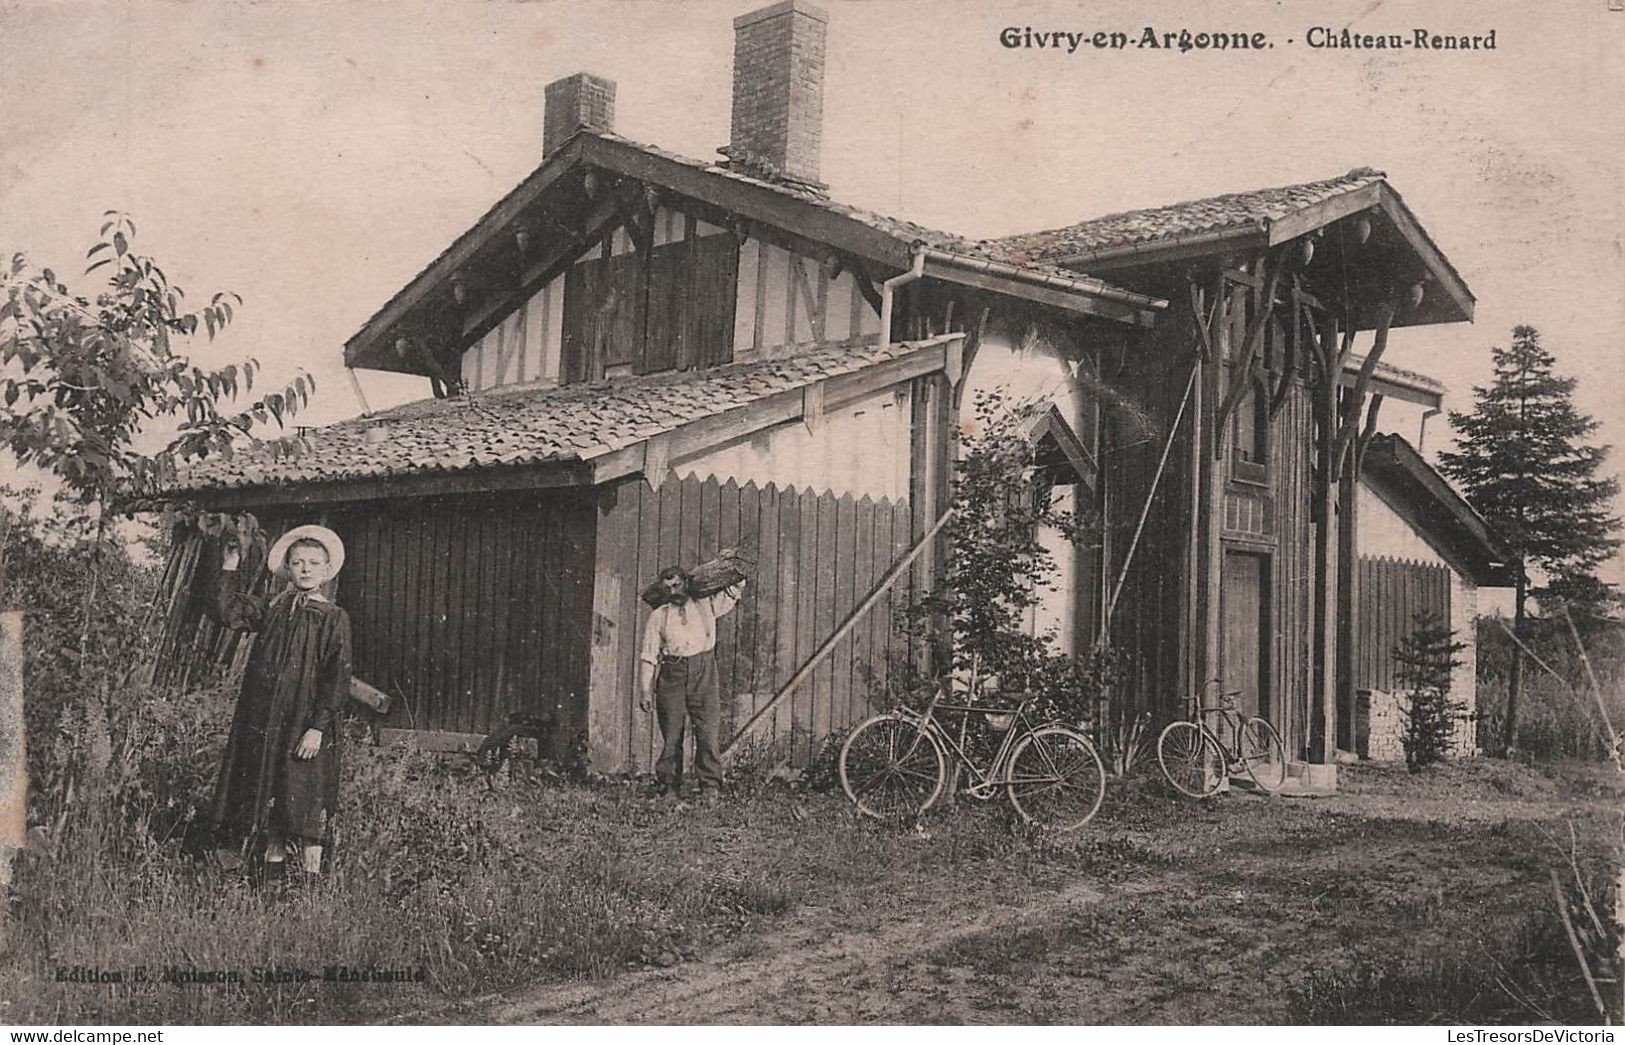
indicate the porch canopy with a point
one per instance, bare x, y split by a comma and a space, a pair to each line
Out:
1356, 212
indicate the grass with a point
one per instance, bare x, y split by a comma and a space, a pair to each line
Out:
492, 888
1412, 897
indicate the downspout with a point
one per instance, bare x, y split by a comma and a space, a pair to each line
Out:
1422, 430
915, 271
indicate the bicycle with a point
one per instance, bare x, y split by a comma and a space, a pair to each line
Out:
1196, 762
895, 764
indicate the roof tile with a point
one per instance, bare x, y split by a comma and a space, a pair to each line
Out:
526, 424
1256, 208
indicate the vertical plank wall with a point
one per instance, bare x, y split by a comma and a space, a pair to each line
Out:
817, 557
1148, 624
467, 610
1392, 593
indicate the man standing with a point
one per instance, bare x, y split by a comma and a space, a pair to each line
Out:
678, 677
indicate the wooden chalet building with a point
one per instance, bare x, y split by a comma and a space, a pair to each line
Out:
1253, 369
640, 358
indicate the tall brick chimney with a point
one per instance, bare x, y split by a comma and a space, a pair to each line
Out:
778, 96
581, 100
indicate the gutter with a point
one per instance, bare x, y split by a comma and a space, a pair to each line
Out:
1158, 246
1077, 285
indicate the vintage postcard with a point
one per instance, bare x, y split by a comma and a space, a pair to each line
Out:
812, 512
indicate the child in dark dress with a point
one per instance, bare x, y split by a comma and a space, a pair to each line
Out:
279, 780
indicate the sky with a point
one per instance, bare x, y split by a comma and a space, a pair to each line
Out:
313, 157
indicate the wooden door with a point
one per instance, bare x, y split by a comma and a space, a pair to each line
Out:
1244, 604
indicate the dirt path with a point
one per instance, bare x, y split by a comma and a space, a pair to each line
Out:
1237, 912
802, 973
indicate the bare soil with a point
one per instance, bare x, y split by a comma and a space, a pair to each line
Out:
1403, 898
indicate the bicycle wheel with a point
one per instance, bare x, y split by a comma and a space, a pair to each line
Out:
1055, 779
890, 767
1263, 755
1191, 759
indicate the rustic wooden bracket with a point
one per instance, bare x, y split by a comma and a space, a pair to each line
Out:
1203, 320
812, 406
954, 360
1347, 427
656, 459
1367, 433
1254, 338
971, 345
866, 287
1289, 366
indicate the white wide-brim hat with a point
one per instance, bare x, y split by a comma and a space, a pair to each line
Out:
277, 560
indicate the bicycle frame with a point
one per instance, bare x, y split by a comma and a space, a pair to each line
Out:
1226, 712
983, 781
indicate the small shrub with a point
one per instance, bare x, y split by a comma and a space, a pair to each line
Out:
1426, 658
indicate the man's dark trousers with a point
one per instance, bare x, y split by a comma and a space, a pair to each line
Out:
686, 688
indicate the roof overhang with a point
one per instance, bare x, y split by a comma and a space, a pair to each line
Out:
1398, 244
1390, 381
651, 456
488, 245
1399, 475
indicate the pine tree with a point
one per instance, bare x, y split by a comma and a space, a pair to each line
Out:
1523, 464
1427, 660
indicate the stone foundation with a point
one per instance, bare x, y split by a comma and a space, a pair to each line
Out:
1379, 728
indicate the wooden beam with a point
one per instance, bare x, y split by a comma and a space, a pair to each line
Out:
752, 201
866, 288
1412, 233
558, 258
954, 364
375, 699
1319, 215
812, 406
840, 632
656, 459
1078, 302
1241, 370
1241, 239
466, 246
437, 740
488, 479
1347, 426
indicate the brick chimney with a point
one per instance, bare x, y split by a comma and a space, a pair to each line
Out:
581, 100
778, 96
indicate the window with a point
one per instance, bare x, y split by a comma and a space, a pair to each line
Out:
1251, 433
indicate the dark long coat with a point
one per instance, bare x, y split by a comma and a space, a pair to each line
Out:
297, 679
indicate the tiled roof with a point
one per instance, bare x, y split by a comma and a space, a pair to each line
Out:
1255, 209
905, 232
527, 424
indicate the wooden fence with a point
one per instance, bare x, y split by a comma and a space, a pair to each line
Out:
1392, 592
464, 610
192, 650
470, 609
818, 556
